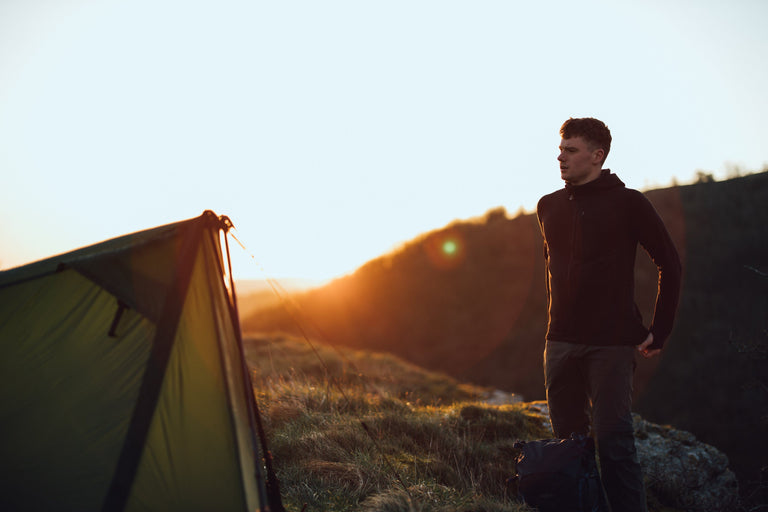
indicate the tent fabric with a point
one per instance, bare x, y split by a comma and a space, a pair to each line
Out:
124, 383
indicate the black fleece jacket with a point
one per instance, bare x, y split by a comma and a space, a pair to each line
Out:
590, 235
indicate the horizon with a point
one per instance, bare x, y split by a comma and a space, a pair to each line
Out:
333, 133
257, 278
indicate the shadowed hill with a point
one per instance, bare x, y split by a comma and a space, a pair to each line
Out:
444, 310
712, 379
469, 300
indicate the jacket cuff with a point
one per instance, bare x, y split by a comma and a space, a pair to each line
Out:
658, 341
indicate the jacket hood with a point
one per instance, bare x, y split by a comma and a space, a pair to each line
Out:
605, 181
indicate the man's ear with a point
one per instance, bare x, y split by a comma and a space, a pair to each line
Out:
598, 156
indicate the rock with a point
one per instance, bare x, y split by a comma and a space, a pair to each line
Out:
682, 472
499, 397
540, 409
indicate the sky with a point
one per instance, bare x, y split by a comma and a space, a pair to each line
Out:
331, 132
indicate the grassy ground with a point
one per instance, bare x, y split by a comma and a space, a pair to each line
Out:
370, 432
367, 432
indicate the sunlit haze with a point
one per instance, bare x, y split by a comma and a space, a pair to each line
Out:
331, 132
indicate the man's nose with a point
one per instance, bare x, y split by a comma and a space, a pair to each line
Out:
560, 156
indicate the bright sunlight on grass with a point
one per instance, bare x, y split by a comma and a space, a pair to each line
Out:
370, 432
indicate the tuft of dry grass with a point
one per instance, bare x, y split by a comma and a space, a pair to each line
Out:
277, 356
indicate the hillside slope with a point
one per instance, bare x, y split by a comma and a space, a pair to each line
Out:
355, 430
468, 300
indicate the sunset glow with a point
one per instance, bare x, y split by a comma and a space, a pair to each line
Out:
333, 132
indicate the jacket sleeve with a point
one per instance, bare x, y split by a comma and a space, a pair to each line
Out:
654, 238
545, 254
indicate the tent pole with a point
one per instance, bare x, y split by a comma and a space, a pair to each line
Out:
273, 486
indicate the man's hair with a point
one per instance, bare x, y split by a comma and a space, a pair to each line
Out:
592, 130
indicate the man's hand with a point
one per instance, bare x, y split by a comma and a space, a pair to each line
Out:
643, 347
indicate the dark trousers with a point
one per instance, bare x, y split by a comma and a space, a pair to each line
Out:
592, 386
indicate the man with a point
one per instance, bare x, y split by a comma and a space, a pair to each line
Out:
591, 229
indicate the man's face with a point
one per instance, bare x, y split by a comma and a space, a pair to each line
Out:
578, 163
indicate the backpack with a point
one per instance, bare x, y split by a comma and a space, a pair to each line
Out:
559, 475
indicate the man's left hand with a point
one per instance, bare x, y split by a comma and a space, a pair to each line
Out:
643, 347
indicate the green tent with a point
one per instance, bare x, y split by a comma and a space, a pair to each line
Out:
124, 384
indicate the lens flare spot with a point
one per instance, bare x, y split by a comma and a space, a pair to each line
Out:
445, 249
450, 247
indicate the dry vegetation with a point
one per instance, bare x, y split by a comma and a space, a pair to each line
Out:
350, 430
